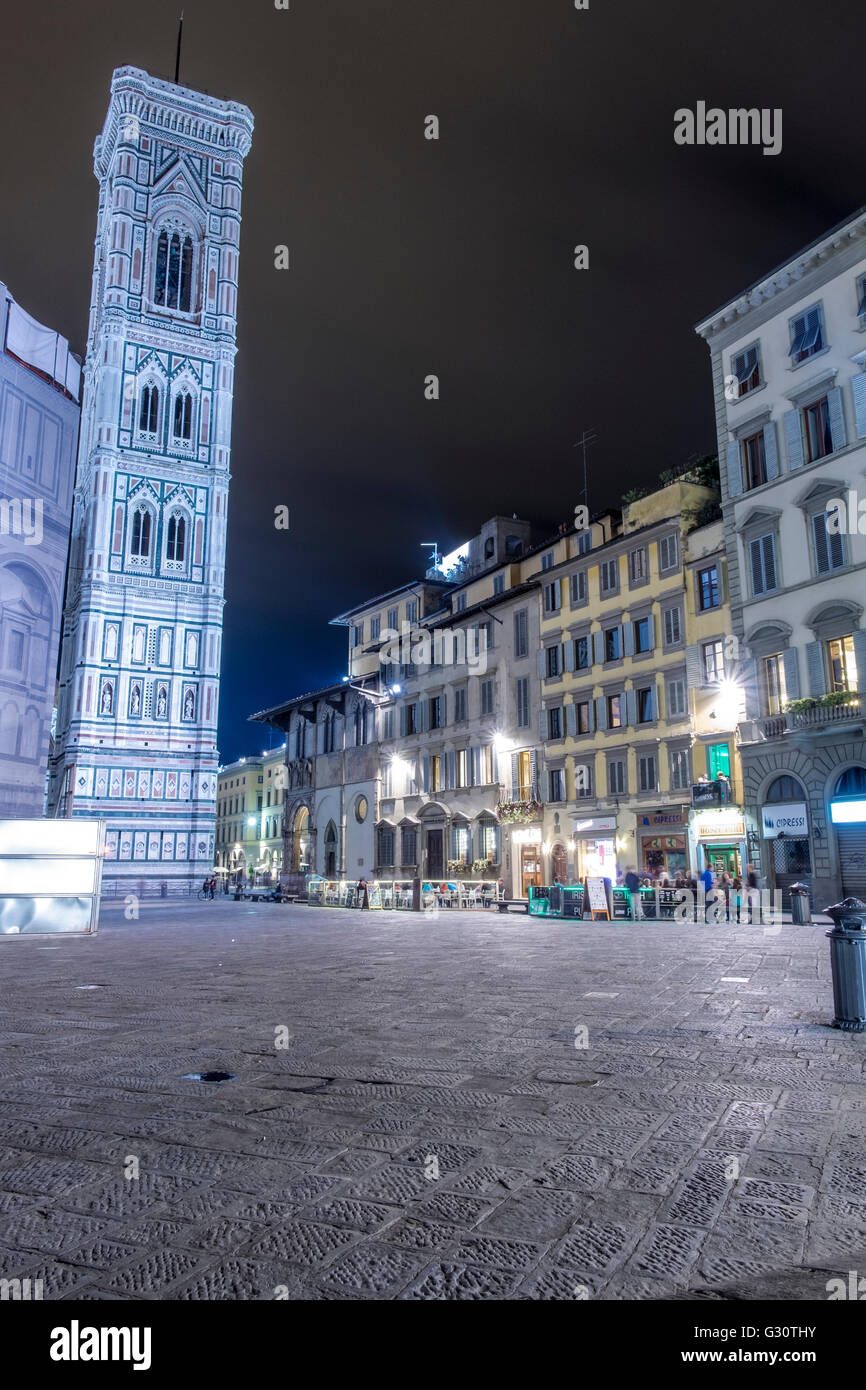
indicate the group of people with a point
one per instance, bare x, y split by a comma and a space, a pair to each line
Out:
740, 895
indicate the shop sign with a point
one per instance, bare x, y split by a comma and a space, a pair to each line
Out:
530, 836
847, 812
785, 818
722, 826
587, 828
662, 818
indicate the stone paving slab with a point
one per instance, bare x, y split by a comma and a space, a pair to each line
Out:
471, 1108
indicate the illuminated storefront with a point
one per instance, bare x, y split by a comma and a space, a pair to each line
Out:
662, 842
526, 843
595, 847
720, 837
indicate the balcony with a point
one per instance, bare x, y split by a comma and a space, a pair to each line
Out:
717, 793
822, 712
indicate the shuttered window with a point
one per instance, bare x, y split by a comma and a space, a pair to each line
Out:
673, 626
676, 698
646, 773
762, 560
521, 633
829, 545
616, 778
577, 587
521, 688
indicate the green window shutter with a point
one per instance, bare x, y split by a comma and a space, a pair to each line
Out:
794, 438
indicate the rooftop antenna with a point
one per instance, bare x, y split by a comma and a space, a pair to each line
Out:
435, 557
587, 439
177, 59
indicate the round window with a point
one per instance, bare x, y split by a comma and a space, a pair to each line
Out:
361, 808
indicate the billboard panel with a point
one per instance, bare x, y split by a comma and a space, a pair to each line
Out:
50, 876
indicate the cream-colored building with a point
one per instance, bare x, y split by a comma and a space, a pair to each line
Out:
789, 374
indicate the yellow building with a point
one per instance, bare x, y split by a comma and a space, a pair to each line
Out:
249, 821
628, 712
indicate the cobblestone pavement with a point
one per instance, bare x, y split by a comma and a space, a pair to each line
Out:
430, 1130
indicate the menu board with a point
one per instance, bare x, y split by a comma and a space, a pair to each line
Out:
374, 895
595, 896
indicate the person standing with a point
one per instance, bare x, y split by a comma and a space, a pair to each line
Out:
752, 891
725, 885
632, 883
707, 880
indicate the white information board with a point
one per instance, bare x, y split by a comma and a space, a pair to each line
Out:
50, 876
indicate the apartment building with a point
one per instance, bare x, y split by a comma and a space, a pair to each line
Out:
249, 813
789, 374
635, 697
423, 761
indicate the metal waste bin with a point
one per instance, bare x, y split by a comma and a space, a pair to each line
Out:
800, 904
848, 963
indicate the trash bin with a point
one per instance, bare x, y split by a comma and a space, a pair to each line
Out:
848, 963
800, 904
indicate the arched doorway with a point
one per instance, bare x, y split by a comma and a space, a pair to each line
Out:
330, 850
301, 841
790, 854
848, 816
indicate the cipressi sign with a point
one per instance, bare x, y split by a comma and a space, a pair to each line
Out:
786, 818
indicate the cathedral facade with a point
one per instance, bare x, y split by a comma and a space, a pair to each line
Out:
139, 677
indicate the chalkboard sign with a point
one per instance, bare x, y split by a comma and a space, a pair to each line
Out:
374, 895
595, 897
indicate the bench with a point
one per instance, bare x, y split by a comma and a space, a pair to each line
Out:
505, 904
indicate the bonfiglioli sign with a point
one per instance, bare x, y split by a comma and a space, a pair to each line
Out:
785, 818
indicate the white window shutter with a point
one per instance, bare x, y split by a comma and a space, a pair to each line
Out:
794, 439
838, 433
694, 669
858, 386
735, 472
815, 668
771, 453
791, 665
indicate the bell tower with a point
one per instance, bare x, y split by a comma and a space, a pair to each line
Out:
139, 676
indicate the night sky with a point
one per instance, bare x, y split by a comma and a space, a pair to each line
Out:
455, 257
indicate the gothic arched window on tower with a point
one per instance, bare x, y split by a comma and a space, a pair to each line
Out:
172, 281
175, 545
140, 535
183, 416
148, 415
